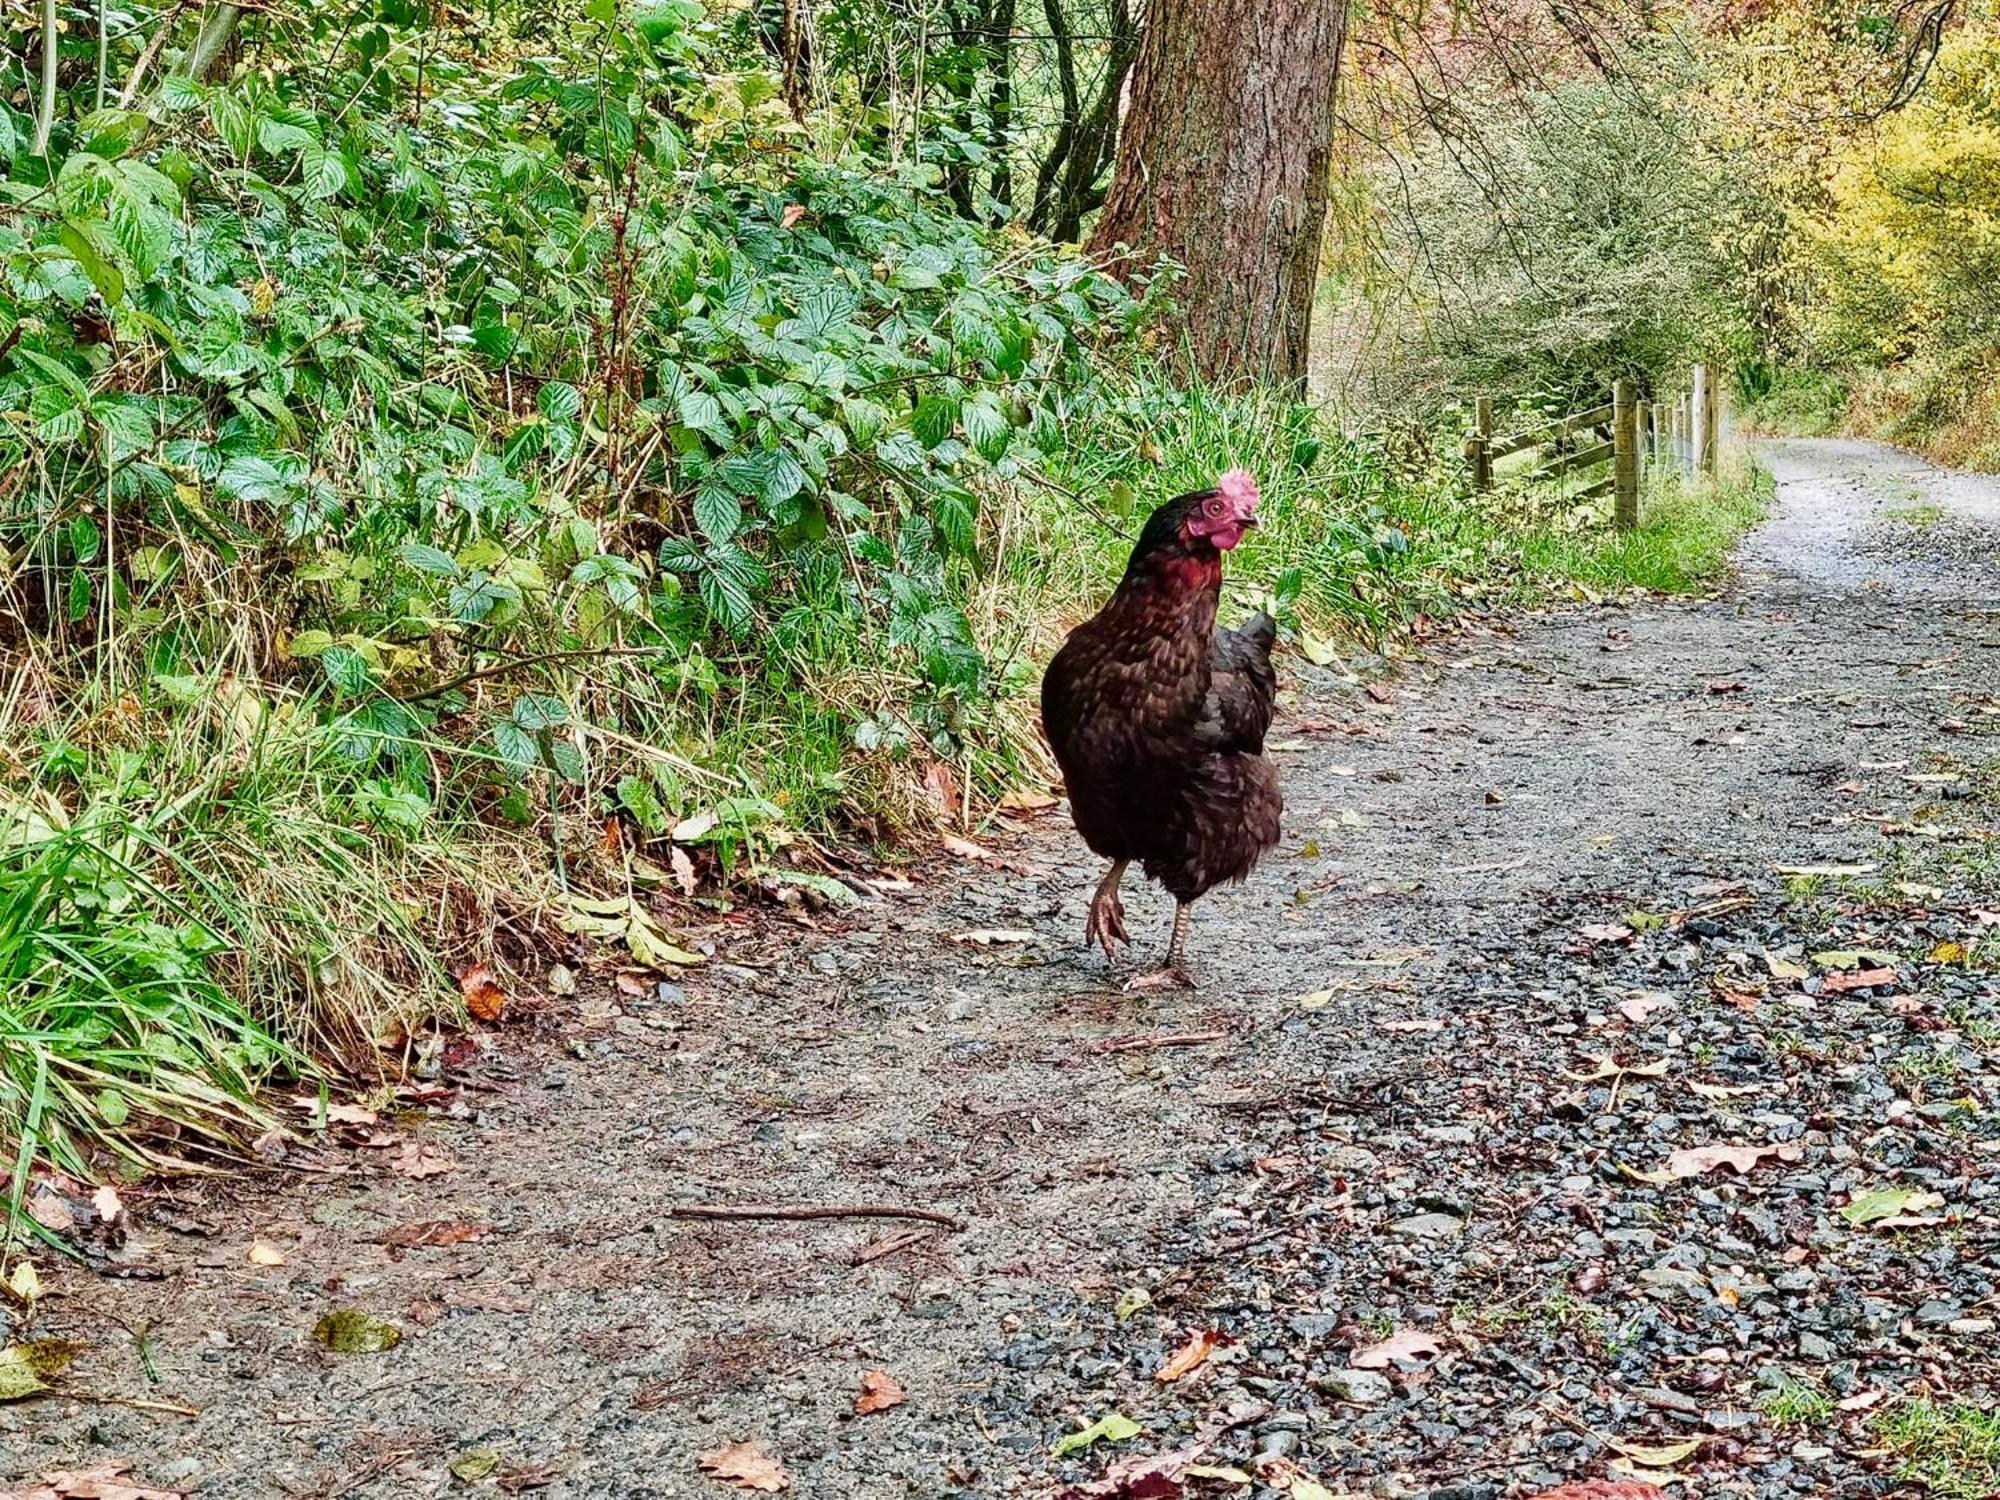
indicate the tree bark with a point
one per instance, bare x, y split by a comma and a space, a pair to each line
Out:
1223, 166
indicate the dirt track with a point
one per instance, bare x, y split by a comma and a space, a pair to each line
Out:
1397, 1131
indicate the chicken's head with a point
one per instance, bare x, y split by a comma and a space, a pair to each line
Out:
1225, 513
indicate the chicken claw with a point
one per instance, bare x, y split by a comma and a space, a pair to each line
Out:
1106, 926
1166, 977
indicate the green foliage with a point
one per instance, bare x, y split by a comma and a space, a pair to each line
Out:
1567, 246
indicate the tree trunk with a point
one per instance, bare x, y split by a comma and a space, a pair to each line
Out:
1223, 166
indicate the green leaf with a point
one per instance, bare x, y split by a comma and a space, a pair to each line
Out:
1889, 1203
717, 512
282, 137
560, 401
85, 538
428, 559
323, 173
986, 425
638, 797
1112, 1427
113, 1108
540, 711
935, 416
864, 419
310, 643
86, 242
347, 1330
346, 669
495, 340
518, 748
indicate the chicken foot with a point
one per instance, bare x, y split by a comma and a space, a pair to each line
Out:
1173, 974
1106, 926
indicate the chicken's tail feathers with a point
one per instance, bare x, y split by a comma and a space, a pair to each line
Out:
1260, 630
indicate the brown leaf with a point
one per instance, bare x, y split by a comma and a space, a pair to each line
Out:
683, 869
106, 1481
1608, 932
1432, 1023
746, 1466
1410, 1346
432, 1232
1191, 1355
791, 216
264, 1253
109, 1209
1699, 1159
482, 993
1379, 691
1020, 801
1603, 1489
1858, 979
1143, 1476
1636, 1008
879, 1391
941, 789
51, 1211
421, 1159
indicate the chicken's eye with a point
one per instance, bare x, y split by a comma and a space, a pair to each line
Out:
1214, 507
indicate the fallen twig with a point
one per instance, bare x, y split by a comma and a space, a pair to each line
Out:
810, 1211
889, 1244
171, 1408
1175, 1039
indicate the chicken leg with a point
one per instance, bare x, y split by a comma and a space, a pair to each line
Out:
1106, 925
1173, 974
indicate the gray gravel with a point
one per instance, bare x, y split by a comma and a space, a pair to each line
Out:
1527, 938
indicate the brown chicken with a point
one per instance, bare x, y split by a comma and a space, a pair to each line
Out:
1158, 719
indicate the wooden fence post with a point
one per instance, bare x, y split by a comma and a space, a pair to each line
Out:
1624, 457
1711, 438
1479, 446
1698, 436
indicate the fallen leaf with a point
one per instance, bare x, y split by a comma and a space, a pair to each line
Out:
1853, 958
791, 216
24, 1285
561, 980
1862, 1400
1191, 1355
879, 1391
746, 1466
1699, 1159
474, 1464
683, 869
421, 1159
1027, 802
1665, 1456
1379, 691
1639, 1006
1725, 1090
1603, 1489
1825, 871
105, 1481
1145, 1476
688, 830
51, 1211
105, 1201
1132, 1300
1859, 979
484, 999
264, 1253
26, 1369
1784, 968
1608, 932
434, 1232
1112, 1427
1887, 1204
1431, 1023
350, 1114
1658, 1178
1410, 1346
986, 937
348, 1330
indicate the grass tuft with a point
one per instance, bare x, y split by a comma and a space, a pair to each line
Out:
1952, 1451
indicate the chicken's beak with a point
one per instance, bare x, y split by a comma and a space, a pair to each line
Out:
1249, 523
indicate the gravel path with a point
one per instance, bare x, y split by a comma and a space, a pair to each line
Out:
1537, 932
